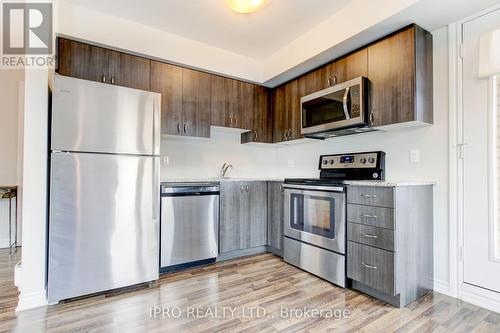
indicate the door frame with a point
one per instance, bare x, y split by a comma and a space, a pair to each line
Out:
457, 287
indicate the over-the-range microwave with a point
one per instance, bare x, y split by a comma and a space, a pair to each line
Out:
337, 110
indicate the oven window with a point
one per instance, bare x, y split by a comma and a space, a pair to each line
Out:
313, 214
324, 110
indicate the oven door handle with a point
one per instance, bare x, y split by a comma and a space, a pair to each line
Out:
318, 188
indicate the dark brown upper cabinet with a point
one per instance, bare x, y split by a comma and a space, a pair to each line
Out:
167, 80
262, 117
245, 106
280, 116
185, 99
129, 70
94, 63
232, 103
400, 75
316, 80
196, 94
356, 64
223, 101
82, 61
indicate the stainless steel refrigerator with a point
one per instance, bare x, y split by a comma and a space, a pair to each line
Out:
104, 197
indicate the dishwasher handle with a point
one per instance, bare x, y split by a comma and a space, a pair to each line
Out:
189, 194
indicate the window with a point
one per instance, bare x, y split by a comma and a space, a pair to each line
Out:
496, 105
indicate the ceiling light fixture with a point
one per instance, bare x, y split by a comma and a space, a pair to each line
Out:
245, 6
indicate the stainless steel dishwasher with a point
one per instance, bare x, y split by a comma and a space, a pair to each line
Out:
189, 226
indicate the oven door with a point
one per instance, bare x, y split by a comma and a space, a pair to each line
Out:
316, 215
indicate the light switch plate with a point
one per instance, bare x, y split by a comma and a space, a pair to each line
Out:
291, 163
414, 156
165, 160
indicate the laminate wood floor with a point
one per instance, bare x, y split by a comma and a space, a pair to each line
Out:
261, 290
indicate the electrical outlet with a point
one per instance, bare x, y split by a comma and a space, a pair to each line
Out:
414, 156
291, 163
165, 160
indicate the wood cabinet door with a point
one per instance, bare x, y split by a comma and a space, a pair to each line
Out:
257, 222
280, 117
293, 109
356, 64
82, 61
129, 70
167, 80
230, 234
391, 71
262, 115
196, 103
244, 106
316, 80
275, 215
335, 73
220, 101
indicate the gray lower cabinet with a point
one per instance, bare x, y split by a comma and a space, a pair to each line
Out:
275, 217
390, 241
243, 215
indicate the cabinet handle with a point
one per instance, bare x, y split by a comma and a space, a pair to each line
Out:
290, 134
332, 81
242, 188
369, 266
230, 121
112, 79
185, 128
103, 78
235, 121
368, 235
371, 118
282, 189
256, 135
246, 189
178, 128
369, 195
369, 216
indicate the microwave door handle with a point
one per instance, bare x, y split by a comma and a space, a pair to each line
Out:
346, 111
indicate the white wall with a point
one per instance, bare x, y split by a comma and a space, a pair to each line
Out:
9, 110
203, 158
34, 208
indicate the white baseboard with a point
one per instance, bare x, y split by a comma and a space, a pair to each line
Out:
442, 287
481, 297
31, 300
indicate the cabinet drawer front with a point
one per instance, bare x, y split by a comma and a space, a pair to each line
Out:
371, 195
370, 215
372, 267
373, 236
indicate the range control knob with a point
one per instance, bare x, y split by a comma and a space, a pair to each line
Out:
325, 162
362, 160
331, 162
371, 160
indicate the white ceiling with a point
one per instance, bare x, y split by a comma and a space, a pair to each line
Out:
257, 35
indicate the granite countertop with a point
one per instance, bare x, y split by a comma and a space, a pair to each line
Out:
210, 180
386, 183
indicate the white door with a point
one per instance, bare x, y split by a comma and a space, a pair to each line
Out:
481, 136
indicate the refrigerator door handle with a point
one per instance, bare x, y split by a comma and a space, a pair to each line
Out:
156, 125
156, 189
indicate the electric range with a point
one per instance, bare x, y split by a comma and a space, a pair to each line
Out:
315, 213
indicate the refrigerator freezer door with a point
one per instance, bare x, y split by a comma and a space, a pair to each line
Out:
104, 223
95, 117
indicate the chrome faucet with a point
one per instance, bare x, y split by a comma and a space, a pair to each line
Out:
224, 169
